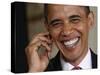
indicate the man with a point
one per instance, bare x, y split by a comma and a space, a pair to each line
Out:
68, 27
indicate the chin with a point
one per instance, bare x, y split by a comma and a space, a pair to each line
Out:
71, 49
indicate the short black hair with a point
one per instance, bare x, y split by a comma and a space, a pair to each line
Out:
87, 9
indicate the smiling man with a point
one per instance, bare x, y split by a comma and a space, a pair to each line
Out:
68, 27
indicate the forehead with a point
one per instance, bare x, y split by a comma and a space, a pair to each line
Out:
65, 9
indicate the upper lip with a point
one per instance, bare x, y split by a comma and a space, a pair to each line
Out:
69, 38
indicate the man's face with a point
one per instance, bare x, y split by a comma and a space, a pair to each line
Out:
69, 27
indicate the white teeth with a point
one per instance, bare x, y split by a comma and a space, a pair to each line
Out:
71, 42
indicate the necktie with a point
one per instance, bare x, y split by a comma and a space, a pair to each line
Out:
76, 68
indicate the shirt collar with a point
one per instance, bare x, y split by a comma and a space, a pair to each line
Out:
85, 63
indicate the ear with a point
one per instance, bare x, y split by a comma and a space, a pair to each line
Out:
91, 20
46, 25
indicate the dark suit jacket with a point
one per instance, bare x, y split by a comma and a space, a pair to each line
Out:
55, 64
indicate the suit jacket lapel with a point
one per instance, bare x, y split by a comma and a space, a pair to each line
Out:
94, 59
55, 64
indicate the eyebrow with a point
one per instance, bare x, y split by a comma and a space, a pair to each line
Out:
74, 16
54, 20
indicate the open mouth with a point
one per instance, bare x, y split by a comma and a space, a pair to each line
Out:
71, 43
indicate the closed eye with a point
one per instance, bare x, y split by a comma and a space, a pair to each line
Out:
75, 20
55, 23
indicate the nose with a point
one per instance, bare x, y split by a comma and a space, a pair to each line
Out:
67, 29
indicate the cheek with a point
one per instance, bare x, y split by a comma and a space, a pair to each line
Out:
55, 33
83, 29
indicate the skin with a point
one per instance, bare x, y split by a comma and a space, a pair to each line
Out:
64, 23
36, 62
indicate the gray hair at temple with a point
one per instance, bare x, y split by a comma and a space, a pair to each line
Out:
87, 10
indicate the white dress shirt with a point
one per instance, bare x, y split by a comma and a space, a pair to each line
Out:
85, 63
